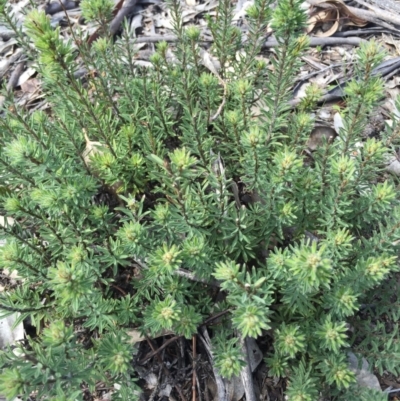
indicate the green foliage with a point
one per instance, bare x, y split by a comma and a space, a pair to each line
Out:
302, 386
184, 177
97, 10
356, 393
228, 356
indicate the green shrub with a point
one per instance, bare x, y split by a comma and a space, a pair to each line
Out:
167, 172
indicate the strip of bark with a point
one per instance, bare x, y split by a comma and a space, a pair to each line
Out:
331, 41
14, 78
126, 9
11, 60
245, 373
205, 339
387, 12
314, 41
366, 15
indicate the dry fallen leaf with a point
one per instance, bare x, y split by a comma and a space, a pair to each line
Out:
29, 72
30, 86
337, 122
320, 134
92, 147
210, 62
240, 9
324, 17
3, 220
136, 336
8, 334
331, 14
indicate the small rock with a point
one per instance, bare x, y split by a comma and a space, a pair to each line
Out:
363, 376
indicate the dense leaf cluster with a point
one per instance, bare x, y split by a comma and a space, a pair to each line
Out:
191, 175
